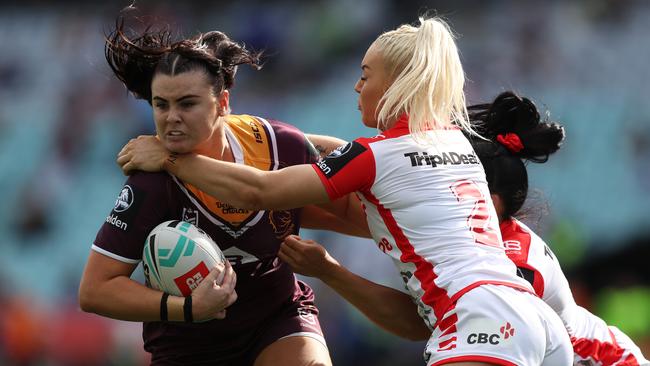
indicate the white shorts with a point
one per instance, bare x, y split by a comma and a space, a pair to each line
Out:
502, 326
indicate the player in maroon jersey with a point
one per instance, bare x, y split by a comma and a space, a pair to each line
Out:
262, 315
515, 135
425, 196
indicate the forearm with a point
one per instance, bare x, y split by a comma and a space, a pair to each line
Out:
249, 188
239, 185
390, 309
125, 299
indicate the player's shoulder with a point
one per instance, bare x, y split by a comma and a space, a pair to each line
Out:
146, 183
148, 179
524, 231
292, 144
367, 141
514, 228
516, 239
256, 125
389, 139
286, 131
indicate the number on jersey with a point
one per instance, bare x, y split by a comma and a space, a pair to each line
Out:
479, 220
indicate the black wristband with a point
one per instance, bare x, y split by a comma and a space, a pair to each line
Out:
163, 307
187, 309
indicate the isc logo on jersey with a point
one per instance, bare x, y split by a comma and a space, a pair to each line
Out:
177, 256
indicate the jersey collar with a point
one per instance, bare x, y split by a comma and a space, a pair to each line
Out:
401, 127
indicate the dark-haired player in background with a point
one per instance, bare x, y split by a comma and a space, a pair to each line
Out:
273, 320
515, 135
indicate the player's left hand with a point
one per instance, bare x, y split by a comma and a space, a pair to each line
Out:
306, 257
215, 293
145, 153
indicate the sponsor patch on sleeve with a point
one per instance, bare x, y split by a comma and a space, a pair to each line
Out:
339, 158
127, 206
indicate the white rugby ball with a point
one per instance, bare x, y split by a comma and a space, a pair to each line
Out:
177, 256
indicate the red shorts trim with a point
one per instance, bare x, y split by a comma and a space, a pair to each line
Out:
474, 285
465, 290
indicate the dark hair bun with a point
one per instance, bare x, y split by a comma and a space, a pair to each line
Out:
230, 53
510, 113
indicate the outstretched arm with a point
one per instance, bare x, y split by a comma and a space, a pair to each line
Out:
247, 187
240, 185
390, 309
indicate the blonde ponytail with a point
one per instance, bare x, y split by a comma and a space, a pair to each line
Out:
428, 77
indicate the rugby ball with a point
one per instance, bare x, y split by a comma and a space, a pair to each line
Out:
177, 256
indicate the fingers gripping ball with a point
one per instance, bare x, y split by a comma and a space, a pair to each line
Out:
177, 256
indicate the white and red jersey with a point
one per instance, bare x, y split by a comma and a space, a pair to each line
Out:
594, 343
428, 206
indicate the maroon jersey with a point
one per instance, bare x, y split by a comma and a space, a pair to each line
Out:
266, 287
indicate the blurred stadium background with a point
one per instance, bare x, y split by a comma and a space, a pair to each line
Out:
64, 117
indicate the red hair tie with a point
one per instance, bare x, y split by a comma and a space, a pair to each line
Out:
511, 141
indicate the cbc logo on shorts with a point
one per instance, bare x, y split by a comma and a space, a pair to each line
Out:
505, 332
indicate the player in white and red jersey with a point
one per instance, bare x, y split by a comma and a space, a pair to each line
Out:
512, 124
426, 199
